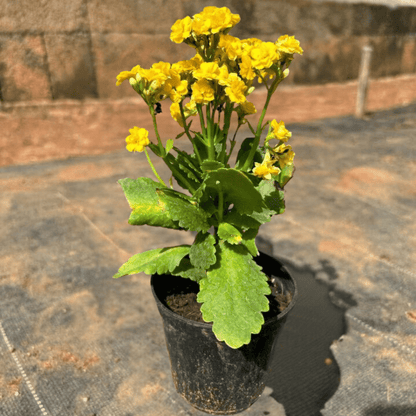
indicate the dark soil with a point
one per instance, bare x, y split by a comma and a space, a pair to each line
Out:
186, 305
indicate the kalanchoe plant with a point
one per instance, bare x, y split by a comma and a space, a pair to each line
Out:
225, 205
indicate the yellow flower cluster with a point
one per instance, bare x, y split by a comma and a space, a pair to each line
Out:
211, 20
157, 83
221, 72
137, 140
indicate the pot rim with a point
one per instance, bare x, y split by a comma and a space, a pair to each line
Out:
207, 325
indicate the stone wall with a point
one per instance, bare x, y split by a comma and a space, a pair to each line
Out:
74, 49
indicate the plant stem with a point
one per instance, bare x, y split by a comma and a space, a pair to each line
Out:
153, 168
161, 148
211, 144
249, 160
189, 135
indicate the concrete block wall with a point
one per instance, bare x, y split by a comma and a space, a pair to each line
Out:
60, 49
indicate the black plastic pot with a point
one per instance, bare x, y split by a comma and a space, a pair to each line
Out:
207, 373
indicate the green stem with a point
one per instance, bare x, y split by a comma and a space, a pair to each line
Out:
201, 120
153, 168
161, 148
211, 144
255, 145
189, 135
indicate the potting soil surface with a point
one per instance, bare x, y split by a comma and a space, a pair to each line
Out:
74, 341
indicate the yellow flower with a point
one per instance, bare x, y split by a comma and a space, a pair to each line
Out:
231, 46
202, 92
264, 55
214, 20
207, 70
236, 89
189, 110
137, 140
280, 132
246, 68
181, 30
248, 108
285, 154
265, 171
288, 44
122, 76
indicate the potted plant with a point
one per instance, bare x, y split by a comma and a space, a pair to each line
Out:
218, 363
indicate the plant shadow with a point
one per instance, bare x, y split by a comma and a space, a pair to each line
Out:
304, 374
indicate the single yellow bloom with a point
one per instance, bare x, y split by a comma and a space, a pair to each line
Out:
137, 140
181, 30
285, 154
280, 132
207, 70
288, 44
265, 171
231, 46
248, 108
236, 89
122, 76
202, 92
246, 68
264, 55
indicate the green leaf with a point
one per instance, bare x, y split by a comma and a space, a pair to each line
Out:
285, 175
233, 296
249, 240
229, 233
180, 135
243, 222
147, 208
245, 151
169, 145
272, 196
186, 270
160, 261
202, 253
185, 212
237, 189
209, 165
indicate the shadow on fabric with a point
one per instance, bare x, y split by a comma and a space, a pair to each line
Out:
304, 374
383, 410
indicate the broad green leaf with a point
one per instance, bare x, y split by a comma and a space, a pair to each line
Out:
233, 296
186, 270
186, 213
237, 189
160, 261
243, 222
209, 165
274, 198
249, 240
147, 208
229, 233
202, 253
